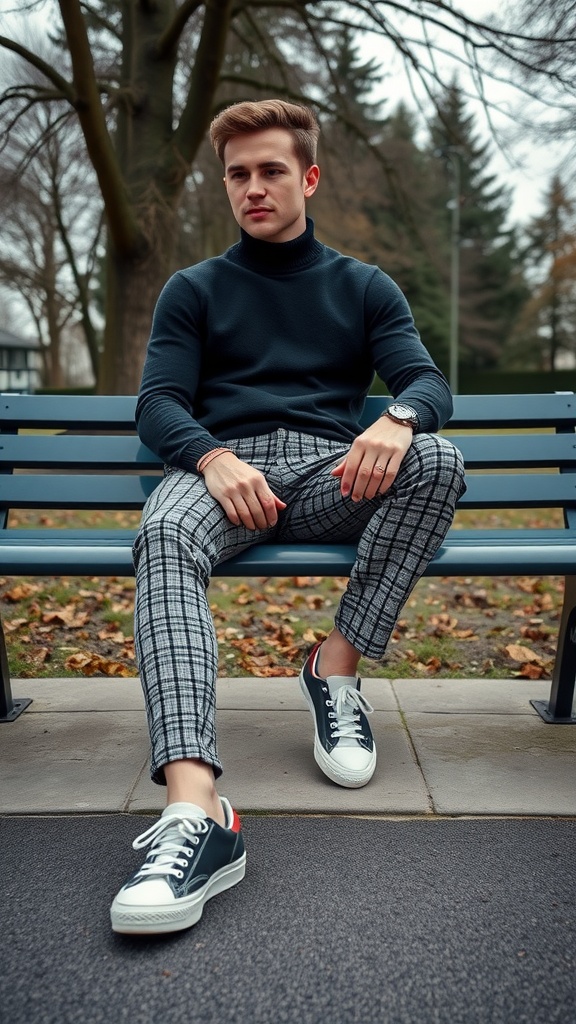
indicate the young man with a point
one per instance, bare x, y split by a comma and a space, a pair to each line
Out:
257, 369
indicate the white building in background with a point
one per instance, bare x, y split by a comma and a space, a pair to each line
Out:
20, 363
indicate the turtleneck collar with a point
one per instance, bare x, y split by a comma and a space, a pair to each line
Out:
277, 257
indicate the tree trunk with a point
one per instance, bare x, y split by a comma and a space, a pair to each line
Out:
55, 373
133, 286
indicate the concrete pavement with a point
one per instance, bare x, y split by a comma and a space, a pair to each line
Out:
445, 747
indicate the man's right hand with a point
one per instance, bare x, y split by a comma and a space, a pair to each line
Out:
242, 491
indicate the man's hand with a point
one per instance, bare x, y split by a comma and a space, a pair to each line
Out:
374, 459
242, 491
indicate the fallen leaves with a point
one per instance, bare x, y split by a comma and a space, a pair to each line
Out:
50, 613
68, 616
95, 664
20, 592
498, 627
518, 653
532, 665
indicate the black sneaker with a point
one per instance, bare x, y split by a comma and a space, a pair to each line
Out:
191, 859
343, 743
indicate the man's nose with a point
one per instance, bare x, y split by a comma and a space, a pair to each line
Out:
255, 187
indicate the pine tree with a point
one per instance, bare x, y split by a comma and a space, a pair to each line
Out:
352, 85
546, 329
491, 288
410, 227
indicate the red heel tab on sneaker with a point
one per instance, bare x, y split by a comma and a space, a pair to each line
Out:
236, 824
313, 659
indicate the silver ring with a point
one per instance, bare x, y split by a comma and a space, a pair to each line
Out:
380, 469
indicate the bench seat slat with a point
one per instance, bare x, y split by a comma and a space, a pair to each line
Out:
108, 552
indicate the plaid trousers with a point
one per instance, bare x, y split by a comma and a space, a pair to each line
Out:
184, 532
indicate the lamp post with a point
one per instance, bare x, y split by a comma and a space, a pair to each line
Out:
452, 154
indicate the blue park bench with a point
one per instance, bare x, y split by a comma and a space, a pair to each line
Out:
96, 461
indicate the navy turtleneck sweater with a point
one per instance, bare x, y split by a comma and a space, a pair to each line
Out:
272, 335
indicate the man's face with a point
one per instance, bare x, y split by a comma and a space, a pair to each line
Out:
266, 184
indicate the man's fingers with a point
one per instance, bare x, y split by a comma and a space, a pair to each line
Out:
368, 478
357, 472
263, 509
243, 492
362, 480
379, 480
257, 512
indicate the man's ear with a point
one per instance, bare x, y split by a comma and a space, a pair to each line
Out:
311, 177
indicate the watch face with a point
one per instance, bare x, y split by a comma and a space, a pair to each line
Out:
403, 412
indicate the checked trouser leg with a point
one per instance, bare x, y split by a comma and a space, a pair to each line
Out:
185, 532
397, 534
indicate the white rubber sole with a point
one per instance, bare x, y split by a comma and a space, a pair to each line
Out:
341, 776
173, 917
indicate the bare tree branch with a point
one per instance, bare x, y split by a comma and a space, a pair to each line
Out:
204, 79
122, 221
100, 19
65, 89
169, 39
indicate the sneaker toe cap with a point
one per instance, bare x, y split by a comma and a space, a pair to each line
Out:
353, 759
153, 892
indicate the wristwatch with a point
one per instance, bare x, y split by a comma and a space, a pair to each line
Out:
403, 414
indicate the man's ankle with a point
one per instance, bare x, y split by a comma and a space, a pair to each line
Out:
191, 781
337, 657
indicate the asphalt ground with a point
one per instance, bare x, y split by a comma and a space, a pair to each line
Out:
375, 920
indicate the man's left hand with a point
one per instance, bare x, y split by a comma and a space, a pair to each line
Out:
374, 459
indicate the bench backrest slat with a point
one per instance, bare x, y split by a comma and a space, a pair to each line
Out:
45, 491
116, 412
25, 451
54, 491
68, 412
487, 411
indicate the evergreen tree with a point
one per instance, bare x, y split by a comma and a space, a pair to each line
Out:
546, 329
411, 230
352, 85
352, 166
491, 283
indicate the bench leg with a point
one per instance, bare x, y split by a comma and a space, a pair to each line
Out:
10, 709
558, 710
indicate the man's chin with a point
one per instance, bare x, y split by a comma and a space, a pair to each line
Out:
265, 232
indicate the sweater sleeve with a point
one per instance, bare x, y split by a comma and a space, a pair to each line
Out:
165, 408
399, 356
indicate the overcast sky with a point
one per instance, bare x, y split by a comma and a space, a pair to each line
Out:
522, 163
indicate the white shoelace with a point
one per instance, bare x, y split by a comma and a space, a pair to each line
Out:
349, 702
172, 839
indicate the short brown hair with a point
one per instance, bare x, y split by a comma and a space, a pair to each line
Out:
257, 115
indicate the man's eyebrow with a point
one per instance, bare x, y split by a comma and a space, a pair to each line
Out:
264, 163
